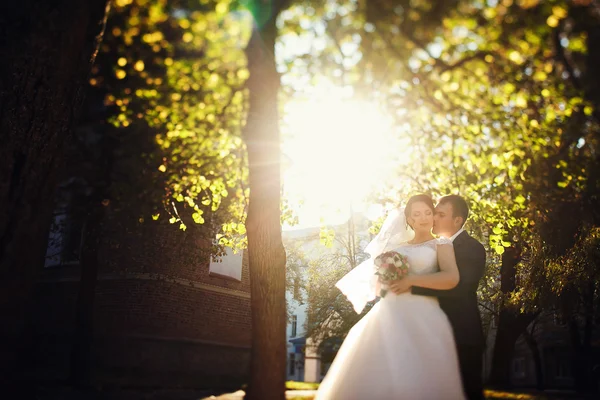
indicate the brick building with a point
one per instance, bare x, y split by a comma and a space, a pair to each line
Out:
550, 335
549, 343
164, 315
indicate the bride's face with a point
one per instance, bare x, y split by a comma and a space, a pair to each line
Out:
421, 217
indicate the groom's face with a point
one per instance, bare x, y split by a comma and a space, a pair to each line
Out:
444, 223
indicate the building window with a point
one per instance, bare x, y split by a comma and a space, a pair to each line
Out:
519, 367
292, 363
228, 266
294, 326
563, 369
64, 238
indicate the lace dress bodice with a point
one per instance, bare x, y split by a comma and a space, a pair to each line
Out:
422, 257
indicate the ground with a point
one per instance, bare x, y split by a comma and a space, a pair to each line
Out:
308, 394
296, 391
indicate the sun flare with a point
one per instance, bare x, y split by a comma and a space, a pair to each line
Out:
337, 152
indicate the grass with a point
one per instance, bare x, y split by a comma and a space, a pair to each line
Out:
496, 394
293, 385
489, 394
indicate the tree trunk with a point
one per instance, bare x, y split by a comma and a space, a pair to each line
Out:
537, 358
263, 225
47, 50
80, 368
588, 330
579, 367
100, 179
511, 323
581, 344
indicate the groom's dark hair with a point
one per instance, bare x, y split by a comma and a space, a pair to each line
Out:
460, 208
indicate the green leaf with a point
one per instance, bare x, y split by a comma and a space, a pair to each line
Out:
197, 217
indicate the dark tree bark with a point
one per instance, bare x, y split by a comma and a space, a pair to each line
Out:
511, 323
581, 336
47, 49
80, 375
265, 248
537, 357
98, 176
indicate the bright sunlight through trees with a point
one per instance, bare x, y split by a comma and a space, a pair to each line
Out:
337, 151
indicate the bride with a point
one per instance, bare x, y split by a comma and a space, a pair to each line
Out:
404, 347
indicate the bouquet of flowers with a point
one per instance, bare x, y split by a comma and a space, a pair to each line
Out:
391, 266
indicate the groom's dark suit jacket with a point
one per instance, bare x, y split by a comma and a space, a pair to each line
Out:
460, 303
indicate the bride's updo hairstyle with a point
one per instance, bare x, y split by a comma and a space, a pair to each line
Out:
419, 198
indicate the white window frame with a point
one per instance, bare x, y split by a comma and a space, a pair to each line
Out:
519, 369
229, 266
294, 323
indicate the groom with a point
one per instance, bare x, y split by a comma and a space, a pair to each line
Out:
460, 303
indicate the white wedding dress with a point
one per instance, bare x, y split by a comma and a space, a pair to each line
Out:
402, 349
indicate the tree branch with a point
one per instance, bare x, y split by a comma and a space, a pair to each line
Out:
480, 55
562, 57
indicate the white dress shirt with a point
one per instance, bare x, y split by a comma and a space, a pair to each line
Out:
461, 230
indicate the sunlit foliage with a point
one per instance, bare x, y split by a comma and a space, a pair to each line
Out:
179, 68
497, 98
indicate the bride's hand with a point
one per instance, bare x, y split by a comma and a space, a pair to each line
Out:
401, 285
